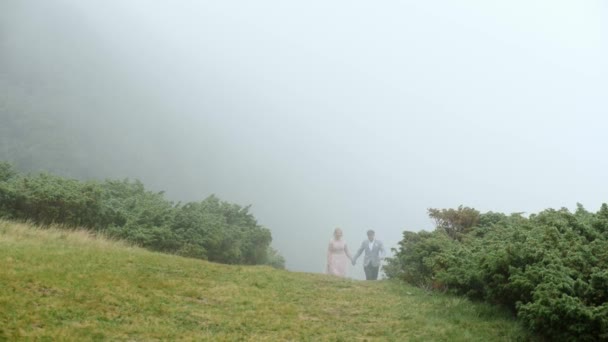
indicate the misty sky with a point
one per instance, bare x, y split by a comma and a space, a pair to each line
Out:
358, 114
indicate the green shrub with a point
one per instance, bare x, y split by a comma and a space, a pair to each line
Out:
418, 263
210, 229
6, 171
47, 199
274, 259
551, 269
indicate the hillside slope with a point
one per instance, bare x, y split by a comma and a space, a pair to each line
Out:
69, 285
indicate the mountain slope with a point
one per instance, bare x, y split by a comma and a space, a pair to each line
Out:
69, 285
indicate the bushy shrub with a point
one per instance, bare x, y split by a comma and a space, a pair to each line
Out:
455, 222
210, 229
224, 232
551, 269
48, 199
420, 264
274, 259
6, 171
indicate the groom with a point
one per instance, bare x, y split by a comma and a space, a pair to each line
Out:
374, 253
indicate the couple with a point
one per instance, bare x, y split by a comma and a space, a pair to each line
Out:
338, 255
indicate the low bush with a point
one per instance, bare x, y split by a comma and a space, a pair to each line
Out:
210, 229
550, 269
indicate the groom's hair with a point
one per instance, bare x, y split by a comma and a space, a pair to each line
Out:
370, 232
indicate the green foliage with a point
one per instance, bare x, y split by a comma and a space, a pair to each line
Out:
6, 171
455, 222
550, 269
226, 228
274, 259
140, 216
47, 199
211, 229
419, 265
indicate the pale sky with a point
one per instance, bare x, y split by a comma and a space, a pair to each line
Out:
358, 114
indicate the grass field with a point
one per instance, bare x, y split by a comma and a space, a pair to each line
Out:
71, 286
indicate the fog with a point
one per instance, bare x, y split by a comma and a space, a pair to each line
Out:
321, 114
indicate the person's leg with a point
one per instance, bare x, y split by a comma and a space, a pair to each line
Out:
368, 272
374, 272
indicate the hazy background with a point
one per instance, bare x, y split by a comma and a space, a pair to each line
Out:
358, 114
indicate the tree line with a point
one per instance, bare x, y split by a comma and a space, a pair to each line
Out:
550, 268
210, 229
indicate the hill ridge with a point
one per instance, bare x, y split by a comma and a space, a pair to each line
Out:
72, 285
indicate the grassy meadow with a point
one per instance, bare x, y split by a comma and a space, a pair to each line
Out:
65, 285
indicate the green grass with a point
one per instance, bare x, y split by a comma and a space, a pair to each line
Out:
69, 285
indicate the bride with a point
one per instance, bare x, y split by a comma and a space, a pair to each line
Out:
337, 255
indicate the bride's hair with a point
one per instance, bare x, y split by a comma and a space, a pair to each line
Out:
338, 229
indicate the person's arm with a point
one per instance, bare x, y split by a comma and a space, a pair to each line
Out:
347, 253
361, 249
